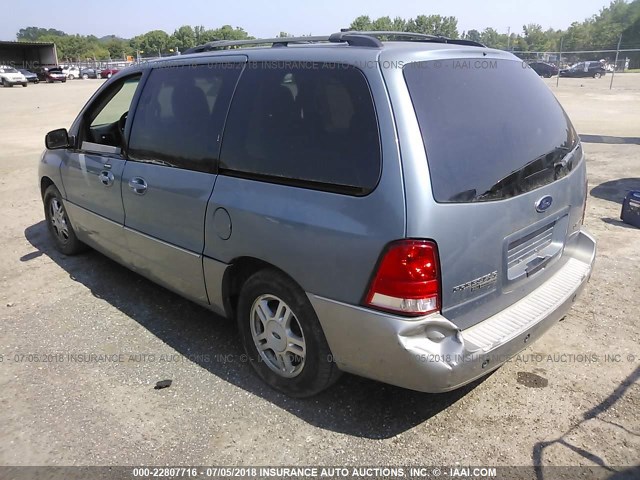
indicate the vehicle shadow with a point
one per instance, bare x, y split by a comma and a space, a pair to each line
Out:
592, 414
615, 190
354, 406
617, 223
610, 139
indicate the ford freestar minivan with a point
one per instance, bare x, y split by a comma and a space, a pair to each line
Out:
409, 210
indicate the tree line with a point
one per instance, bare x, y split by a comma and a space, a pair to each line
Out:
601, 31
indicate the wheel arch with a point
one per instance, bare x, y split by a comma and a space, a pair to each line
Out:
45, 182
235, 276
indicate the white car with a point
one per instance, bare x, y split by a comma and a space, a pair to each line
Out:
71, 72
9, 77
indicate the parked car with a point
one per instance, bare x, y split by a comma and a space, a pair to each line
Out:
315, 197
584, 69
86, 73
52, 75
71, 72
108, 72
544, 69
9, 77
30, 76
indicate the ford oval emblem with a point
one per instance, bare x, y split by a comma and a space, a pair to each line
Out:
544, 203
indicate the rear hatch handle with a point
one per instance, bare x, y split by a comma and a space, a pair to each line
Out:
536, 265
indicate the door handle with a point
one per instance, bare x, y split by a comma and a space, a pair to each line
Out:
106, 178
138, 185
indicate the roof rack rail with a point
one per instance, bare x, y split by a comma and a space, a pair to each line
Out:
413, 37
276, 42
351, 37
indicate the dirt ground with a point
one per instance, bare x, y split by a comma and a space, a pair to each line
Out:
566, 400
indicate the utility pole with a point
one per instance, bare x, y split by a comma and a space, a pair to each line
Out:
615, 65
508, 37
559, 62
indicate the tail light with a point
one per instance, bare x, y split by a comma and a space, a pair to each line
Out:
407, 279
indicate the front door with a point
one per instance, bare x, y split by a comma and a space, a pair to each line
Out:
92, 173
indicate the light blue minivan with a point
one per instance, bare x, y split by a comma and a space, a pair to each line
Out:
399, 206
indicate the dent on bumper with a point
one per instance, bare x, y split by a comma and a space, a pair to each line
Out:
431, 354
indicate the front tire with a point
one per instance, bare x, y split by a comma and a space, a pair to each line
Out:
71, 77
282, 336
597, 75
58, 224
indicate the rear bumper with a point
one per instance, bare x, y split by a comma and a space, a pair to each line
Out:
431, 354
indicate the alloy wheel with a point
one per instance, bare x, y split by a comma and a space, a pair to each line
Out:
58, 220
278, 336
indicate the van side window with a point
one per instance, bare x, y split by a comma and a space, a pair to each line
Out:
180, 115
307, 124
104, 121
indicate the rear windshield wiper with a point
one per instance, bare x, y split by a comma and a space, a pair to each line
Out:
542, 171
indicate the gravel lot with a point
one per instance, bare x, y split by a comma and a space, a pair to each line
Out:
559, 403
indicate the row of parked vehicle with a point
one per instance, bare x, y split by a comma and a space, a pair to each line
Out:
593, 69
10, 76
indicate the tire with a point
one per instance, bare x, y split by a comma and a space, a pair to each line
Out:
274, 307
4, 83
71, 77
49, 81
109, 75
58, 224
597, 75
85, 76
24, 84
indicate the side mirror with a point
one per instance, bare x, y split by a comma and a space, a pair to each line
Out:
57, 139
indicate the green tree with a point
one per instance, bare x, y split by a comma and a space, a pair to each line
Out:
361, 23
434, 25
118, 48
154, 42
382, 24
34, 34
491, 38
183, 38
473, 35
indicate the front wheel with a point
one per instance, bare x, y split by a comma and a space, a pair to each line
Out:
71, 77
282, 336
58, 223
24, 84
597, 75
85, 76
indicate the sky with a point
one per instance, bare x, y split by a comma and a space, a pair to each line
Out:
266, 18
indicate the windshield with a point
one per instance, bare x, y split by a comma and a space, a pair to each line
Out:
8, 70
491, 128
